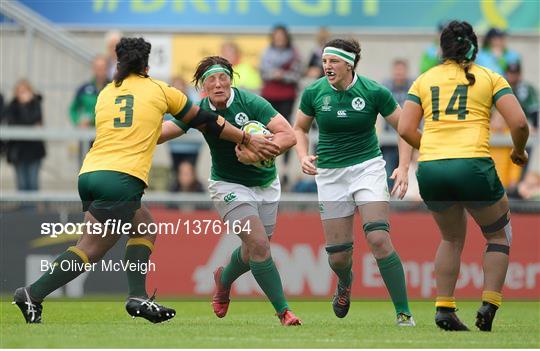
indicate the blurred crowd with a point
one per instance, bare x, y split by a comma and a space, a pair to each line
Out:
279, 78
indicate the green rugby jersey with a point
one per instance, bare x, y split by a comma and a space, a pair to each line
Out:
242, 106
346, 119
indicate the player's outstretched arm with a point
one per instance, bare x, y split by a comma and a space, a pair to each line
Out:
169, 130
214, 124
514, 116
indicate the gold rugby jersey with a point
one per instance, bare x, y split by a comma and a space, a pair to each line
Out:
456, 115
128, 124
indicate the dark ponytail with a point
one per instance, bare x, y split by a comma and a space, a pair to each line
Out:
132, 54
460, 44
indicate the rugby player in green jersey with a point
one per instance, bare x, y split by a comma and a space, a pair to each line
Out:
350, 171
114, 175
242, 192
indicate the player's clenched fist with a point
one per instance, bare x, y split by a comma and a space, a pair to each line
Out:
263, 147
518, 158
246, 156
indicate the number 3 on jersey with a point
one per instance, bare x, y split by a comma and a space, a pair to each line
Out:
127, 109
459, 96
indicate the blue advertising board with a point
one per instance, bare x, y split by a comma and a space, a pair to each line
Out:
205, 15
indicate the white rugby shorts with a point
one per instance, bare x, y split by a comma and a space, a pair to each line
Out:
341, 190
228, 196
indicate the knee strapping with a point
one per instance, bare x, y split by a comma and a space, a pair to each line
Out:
331, 249
497, 225
376, 225
505, 249
501, 223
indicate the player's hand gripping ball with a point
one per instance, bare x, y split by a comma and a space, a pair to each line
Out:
255, 127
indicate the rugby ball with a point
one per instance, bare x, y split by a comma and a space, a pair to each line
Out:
256, 127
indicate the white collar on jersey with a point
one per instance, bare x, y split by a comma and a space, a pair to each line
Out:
355, 78
229, 102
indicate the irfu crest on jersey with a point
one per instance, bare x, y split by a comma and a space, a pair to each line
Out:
241, 118
358, 103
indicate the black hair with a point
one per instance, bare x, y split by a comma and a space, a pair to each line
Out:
208, 62
460, 44
514, 67
400, 61
492, 33
350, 45
132, 55
287, 35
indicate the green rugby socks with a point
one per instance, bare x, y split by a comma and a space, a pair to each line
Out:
138, 250
267, 275
234, 269
344, 274
61, 274
394, 278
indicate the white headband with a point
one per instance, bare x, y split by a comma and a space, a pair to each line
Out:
346, 56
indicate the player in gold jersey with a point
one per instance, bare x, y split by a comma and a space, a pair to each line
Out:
129, 117
455, 170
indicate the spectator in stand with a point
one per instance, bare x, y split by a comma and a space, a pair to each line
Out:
494, 54
247, 77
315, 69
281, 69
525, 93
400, 82
399, 86
187, 180
432, 55
25, 110
111, 39
82, 109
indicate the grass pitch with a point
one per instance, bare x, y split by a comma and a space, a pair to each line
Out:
251, 324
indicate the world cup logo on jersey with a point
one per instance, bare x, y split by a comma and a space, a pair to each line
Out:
326, 103
241, 118
358, 103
